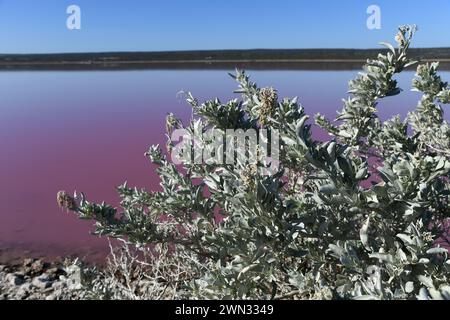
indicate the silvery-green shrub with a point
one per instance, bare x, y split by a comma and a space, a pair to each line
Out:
356, 217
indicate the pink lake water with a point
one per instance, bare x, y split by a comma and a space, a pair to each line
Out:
88, 131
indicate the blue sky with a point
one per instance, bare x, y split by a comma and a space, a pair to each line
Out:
39, 26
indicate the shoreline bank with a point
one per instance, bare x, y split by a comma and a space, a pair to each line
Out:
264, 59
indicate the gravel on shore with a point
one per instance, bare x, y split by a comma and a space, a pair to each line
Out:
34, 279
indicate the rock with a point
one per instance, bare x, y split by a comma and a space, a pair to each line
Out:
42, 282
62, 278
58, 285
24, 291
34, 267
35, 280
37, 266
13, 279
27, 262
50, 297
20, 273
56, 272
49, 289
74, 281
36, 296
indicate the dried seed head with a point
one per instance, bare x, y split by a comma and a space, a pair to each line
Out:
248, 176
422, 69
169, 146
268, 98
400, 39
65, 201
171, 123
324, 293
428, 236
268, 95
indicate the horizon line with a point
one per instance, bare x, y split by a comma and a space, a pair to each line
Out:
216, 50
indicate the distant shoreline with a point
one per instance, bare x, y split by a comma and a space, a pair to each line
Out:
308, 59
